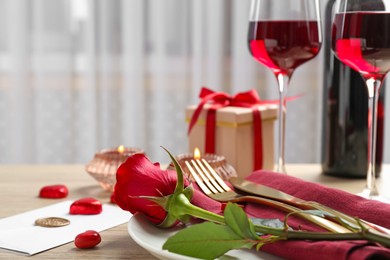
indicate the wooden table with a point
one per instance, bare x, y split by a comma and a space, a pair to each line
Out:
20, 184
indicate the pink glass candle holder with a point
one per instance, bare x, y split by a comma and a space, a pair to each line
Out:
217, 162
105, 163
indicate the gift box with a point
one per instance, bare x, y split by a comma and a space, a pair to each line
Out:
235, 135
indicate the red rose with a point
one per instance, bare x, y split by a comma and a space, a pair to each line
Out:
139, 177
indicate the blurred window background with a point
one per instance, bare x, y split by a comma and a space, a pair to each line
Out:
77, 76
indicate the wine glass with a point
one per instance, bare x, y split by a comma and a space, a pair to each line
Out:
284, 34
361, 40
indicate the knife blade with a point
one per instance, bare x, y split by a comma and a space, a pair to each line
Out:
263, 191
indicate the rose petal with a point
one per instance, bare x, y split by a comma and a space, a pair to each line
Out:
86, 206
57, 191
112, 198
87, 239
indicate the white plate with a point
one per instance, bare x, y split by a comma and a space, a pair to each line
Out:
152, 239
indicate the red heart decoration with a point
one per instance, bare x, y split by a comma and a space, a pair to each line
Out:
86, 206
57, 191
87, 239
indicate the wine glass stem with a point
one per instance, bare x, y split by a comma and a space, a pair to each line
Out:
283, 83
373, 87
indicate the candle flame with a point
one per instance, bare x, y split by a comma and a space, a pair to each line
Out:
196, 153
121, 149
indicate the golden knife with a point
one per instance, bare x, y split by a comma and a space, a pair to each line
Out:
271, 193
267, 192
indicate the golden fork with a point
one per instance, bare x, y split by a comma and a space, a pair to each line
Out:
214, 187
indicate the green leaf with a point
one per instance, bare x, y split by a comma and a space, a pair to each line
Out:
180, 179
206, 241
189, 192
161, 201
185, 219
238, 221
169, 221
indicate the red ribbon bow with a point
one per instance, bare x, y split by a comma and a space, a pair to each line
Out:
249, 99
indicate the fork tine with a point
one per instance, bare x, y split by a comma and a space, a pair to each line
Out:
208, 176
204, 178
202, 186
216, 176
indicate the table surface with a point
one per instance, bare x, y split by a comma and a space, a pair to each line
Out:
20, 184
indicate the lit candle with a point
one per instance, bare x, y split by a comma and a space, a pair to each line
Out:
121, 149
197, 153
105, 163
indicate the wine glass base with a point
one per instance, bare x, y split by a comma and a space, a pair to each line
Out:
368, 194
280, 166
281, 169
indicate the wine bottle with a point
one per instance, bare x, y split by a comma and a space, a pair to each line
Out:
344, 116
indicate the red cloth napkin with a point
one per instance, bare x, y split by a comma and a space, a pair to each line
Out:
373, 211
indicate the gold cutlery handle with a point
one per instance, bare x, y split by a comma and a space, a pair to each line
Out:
274, 194
322, 222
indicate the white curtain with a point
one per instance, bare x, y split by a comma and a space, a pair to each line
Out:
77, 76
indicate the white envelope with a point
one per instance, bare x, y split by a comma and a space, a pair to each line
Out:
19, 233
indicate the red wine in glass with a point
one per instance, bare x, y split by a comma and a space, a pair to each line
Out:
282, 35
283, 45
364, 46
